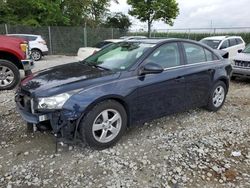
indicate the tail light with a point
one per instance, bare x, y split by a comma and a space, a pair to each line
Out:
42, 42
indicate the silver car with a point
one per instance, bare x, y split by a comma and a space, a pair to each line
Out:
241, 64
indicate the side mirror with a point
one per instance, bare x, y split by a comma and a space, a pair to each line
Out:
240, 50
151, 68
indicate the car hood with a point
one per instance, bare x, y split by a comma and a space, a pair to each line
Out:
242, 57
63, 78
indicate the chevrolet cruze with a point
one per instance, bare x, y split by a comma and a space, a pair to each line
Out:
96, 99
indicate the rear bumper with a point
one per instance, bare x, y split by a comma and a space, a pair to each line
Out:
45, 53
241, 72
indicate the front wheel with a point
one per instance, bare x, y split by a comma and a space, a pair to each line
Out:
217, 96
9, 75
104, 125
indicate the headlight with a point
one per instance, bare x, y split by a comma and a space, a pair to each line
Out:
24, 47
55, 102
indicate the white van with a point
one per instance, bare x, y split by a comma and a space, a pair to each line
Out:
231, 44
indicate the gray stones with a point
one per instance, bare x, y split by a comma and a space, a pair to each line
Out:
185, 150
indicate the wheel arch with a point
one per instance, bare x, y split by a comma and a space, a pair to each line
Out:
35, 48
12, 58
116, 98
225, 80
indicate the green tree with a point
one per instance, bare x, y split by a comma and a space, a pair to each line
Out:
33, 12
153, 10
118, 20
54, 12
76, 11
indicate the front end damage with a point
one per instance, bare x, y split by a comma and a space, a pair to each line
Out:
64, 123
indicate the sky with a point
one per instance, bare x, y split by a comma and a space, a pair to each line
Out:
199, 14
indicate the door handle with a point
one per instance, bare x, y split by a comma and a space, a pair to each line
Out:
179, 79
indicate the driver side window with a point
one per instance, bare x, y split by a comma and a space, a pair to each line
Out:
166, 56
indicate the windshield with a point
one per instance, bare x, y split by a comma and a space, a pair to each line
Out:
118, 56
212, 43
247, 49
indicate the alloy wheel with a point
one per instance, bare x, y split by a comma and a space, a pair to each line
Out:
36, 55
6, 76
218, 96
107, 126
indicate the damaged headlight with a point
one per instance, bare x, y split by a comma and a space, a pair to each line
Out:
54, 102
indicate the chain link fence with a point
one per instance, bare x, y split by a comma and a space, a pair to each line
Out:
65, 40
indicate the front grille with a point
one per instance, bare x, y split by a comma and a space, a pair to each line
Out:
244, 64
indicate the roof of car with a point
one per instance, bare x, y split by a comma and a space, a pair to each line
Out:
114, 40
133, 37
160, 40
23, 35
220, 37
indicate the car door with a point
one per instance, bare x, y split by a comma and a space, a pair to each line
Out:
198, 74
163, 93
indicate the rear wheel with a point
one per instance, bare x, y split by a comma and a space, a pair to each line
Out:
9, 75
36, 54
217, 96
104, 125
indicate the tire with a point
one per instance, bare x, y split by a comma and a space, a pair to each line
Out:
100, 136
217, 96
233, 77
9, 75
36, 54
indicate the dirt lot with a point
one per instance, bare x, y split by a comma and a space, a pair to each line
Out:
192, 149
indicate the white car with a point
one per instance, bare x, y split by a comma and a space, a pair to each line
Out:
231, 44
85, 52
37, 45
133, 37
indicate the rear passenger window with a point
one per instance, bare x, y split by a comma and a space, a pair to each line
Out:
194, 53
239, 41
232, 42
31, 38
209, 55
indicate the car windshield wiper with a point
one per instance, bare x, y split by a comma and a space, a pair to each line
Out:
93, 64
98, 66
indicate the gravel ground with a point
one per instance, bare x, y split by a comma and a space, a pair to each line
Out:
192, 149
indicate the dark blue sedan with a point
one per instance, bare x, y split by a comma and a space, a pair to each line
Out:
95, 100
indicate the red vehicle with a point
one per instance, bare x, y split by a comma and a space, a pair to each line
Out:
14, 56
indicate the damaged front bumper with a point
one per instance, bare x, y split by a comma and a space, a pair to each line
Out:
64, 123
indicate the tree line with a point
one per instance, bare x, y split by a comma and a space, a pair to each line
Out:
91, 13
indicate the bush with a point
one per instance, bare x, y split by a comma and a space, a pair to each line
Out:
194, 36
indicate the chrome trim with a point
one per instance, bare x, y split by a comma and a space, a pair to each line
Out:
191, 65
239, 67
